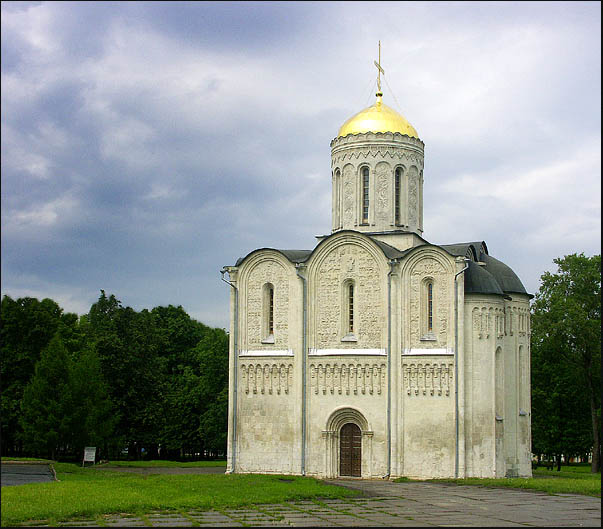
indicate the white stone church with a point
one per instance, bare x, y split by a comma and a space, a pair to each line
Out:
378, 354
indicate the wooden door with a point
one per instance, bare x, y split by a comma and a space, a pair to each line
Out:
350, 450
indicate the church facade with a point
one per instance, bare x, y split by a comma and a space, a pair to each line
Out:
378, 354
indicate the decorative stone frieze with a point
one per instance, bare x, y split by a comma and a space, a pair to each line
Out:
523, 320
487, 322
392, 154
430, 379
348, 378
266, 378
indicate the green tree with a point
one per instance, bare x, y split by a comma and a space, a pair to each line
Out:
566, 341
179, 334
127, 344
26, 327
92, 418
560, 409
196, 404
212, 356
45, 407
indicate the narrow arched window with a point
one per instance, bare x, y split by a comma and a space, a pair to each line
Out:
268, 314
348, 316
365, 195
430, 307
338, 205
397, 193
271, 310
351, 308
427, 314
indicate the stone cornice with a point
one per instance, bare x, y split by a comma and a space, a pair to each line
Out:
395, 139
400, 152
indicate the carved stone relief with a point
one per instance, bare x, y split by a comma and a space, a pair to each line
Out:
346, 379
413, 196
384, 176
510, 320
266, 378
348, 195
274, 273
488, 321
430, 379
523, 316
345, 262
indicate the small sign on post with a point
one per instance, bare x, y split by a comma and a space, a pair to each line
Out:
89, 455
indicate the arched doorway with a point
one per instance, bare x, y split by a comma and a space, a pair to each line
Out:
350, 450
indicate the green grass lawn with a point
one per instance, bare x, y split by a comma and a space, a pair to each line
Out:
87, 493
165, 464
570, 480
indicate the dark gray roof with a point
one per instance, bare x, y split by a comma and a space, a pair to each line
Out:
466, 249
295, 256
389, 251
479, 281
505, 277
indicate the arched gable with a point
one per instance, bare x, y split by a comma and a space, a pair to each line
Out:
427, 294
347, 258
262, 268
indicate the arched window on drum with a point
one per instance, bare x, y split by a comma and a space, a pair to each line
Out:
365, 195
398, 196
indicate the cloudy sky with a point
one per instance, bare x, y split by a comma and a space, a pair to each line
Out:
145, 145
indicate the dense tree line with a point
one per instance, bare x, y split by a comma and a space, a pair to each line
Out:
566, 361
147, 384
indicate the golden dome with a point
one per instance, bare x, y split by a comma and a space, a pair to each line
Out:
377, 118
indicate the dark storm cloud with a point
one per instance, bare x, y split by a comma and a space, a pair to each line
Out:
250, 26
147, 144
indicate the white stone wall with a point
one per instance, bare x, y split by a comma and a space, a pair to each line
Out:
268, 417
269, 435
497, 383
358, 383
517, 445
483, 334
347, 373
348, 380
428, 448
426, 429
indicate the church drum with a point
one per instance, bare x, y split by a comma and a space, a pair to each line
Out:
350, 450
